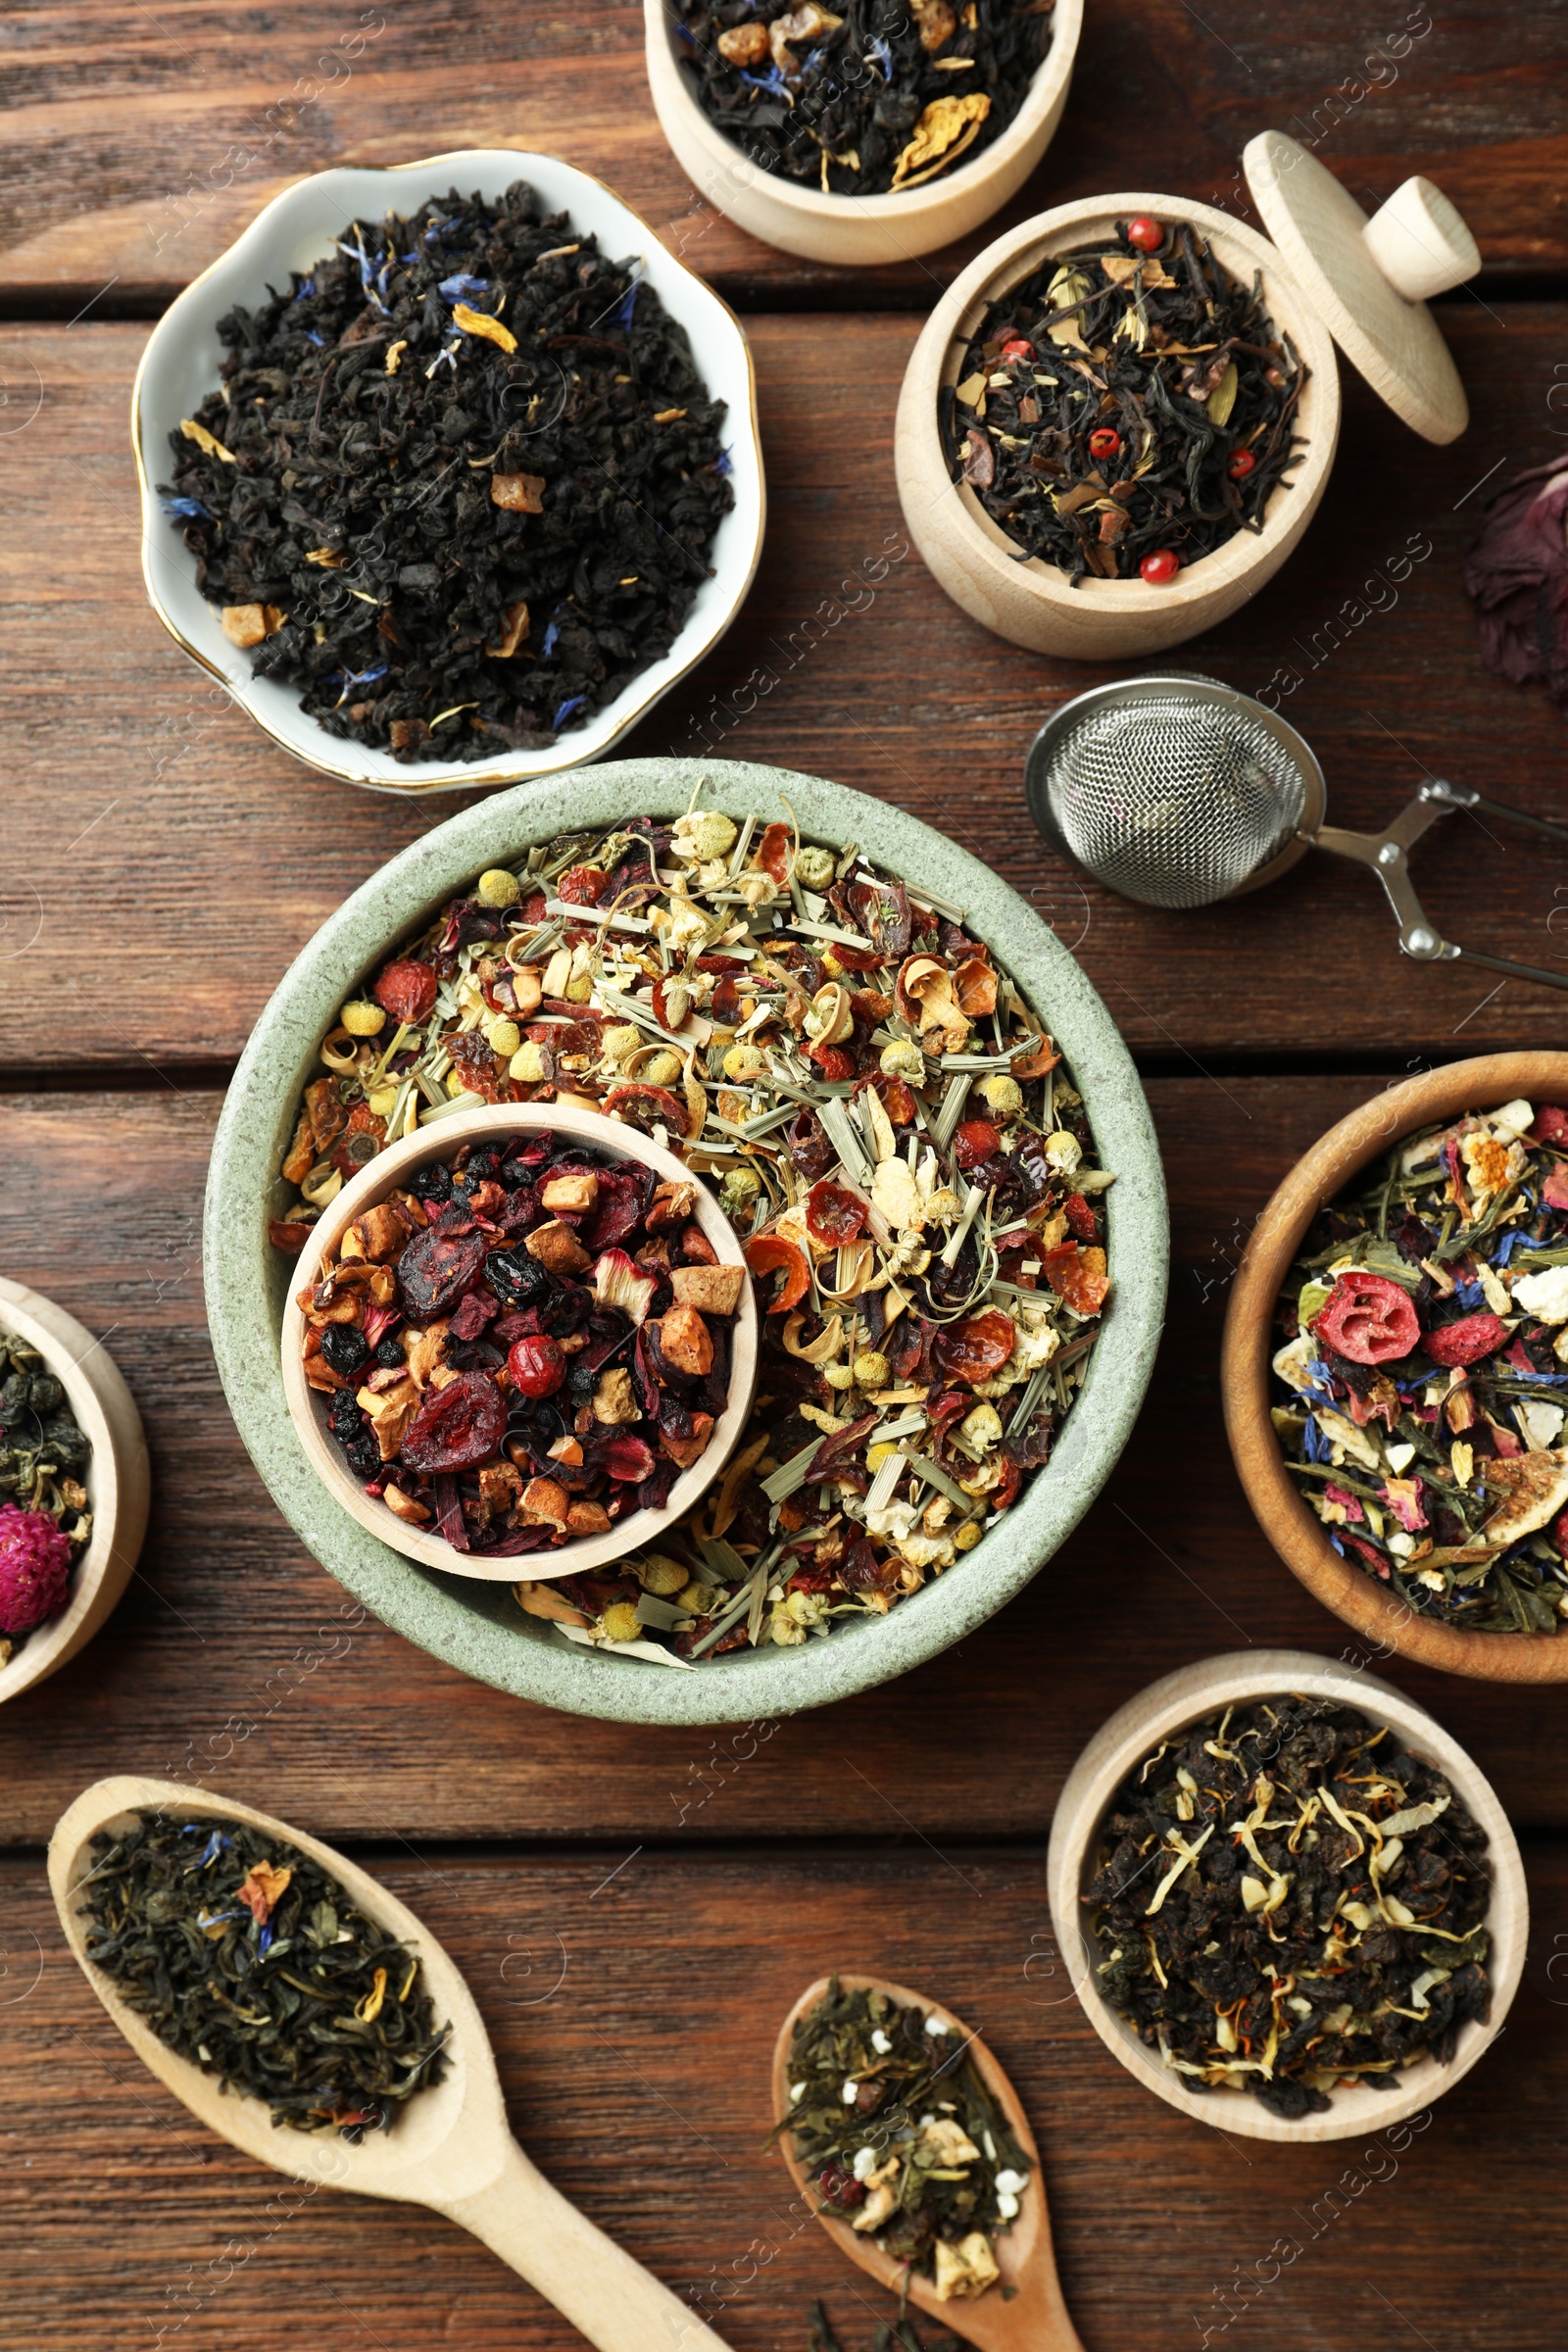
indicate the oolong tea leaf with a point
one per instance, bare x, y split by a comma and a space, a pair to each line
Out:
248, 1958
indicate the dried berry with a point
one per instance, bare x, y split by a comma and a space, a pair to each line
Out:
1369, 1319
458, 1427
407, 990
344, 1349
436, 1268
536, 1365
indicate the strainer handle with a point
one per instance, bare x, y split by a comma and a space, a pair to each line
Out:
1387, 853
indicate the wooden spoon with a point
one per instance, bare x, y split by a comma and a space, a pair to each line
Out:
1035, 2318
450, 2148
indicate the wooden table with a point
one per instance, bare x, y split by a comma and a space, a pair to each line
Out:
636, 1909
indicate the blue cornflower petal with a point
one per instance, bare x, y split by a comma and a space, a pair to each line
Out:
460, 285
1337, 1545
1507, 1246
548, 646
626, 305
265, 1942
307, 285
684, 33
215, 1919
1469, 1294
211, 1850
311, 336
722, 465
881, 54
772, 81
186, 507
572, 703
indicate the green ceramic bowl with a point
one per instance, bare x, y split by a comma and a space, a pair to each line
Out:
478, 1628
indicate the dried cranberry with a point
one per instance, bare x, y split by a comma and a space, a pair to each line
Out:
1369, 1318
1464, 1342
345, 1351
840, 2188
458, 1427
517, 1279
537, 1366
407, 990
437, 1267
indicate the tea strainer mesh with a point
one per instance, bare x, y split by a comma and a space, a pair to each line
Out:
1173, 790
1177, 791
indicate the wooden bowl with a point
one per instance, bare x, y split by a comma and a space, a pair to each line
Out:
1033, 603
1294, 1531
116, 1481
385, 1174
1168, 1706
859, 231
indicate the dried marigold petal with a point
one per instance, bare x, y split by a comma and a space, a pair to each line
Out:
977, 1347
1077, 1276
833, 1214
774, 1253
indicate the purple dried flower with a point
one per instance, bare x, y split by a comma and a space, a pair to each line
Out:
34, 1569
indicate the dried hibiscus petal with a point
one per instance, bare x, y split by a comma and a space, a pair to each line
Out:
773, 1253
977, 1347
458, 1427
629, 1460
833, 1214
1465, 1341
437, 1267
1370, 1319
407, 990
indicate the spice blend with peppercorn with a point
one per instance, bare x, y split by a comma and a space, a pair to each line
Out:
901, 2138
1286, 1901
886, 95
524, 1344
246, 1957
45, 1524
1126, 409
460, 485
1424, 1372
890, 1130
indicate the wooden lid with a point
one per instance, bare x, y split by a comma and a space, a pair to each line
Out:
1370, 278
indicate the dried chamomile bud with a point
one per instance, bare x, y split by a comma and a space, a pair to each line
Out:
527, 1063
502, 1037
1002, 1093
739, 1189
661, 1069
703, 835
660, 1575
903, 1058
813, 869
361, 1018
744, 1061
981, 1428
966, 1537
619, 1042
873, 1371
498, 888
620, 1622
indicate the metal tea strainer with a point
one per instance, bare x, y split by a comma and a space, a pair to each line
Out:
1177, 791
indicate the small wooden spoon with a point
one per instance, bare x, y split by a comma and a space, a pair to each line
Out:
1035, 2317
450, 2148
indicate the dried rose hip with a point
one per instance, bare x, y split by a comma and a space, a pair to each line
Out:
1463, 1343
407, 990
772, 855
537, 1366
436, 1268
976, 1139
834, 1214
1080, 1217
1370, 1319
977, 1347
1077, 1276
582, 886
834, 1062
458, 1427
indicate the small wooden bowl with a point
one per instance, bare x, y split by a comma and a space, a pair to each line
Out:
392, 1170
1385, 331
116, 1481
1294, 1531
859, 231
1168, 1706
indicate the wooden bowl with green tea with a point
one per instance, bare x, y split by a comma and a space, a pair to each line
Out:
1398, 1609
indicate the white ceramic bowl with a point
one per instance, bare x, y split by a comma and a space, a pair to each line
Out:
859, 229
180, 368
1166, 1708
387, 1173
116, 1481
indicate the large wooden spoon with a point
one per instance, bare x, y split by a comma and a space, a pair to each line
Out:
1025, 2311
450, 2148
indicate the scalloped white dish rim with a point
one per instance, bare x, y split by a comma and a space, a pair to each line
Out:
477, 1628
179, 366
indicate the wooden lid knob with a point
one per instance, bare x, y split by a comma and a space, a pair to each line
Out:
1420, 242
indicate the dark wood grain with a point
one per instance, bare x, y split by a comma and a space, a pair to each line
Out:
164, 861
140, 141
206, 1670
633, 2019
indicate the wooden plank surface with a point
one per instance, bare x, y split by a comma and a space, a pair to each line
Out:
135, 789
206, 1670
633, 2018
141, 141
